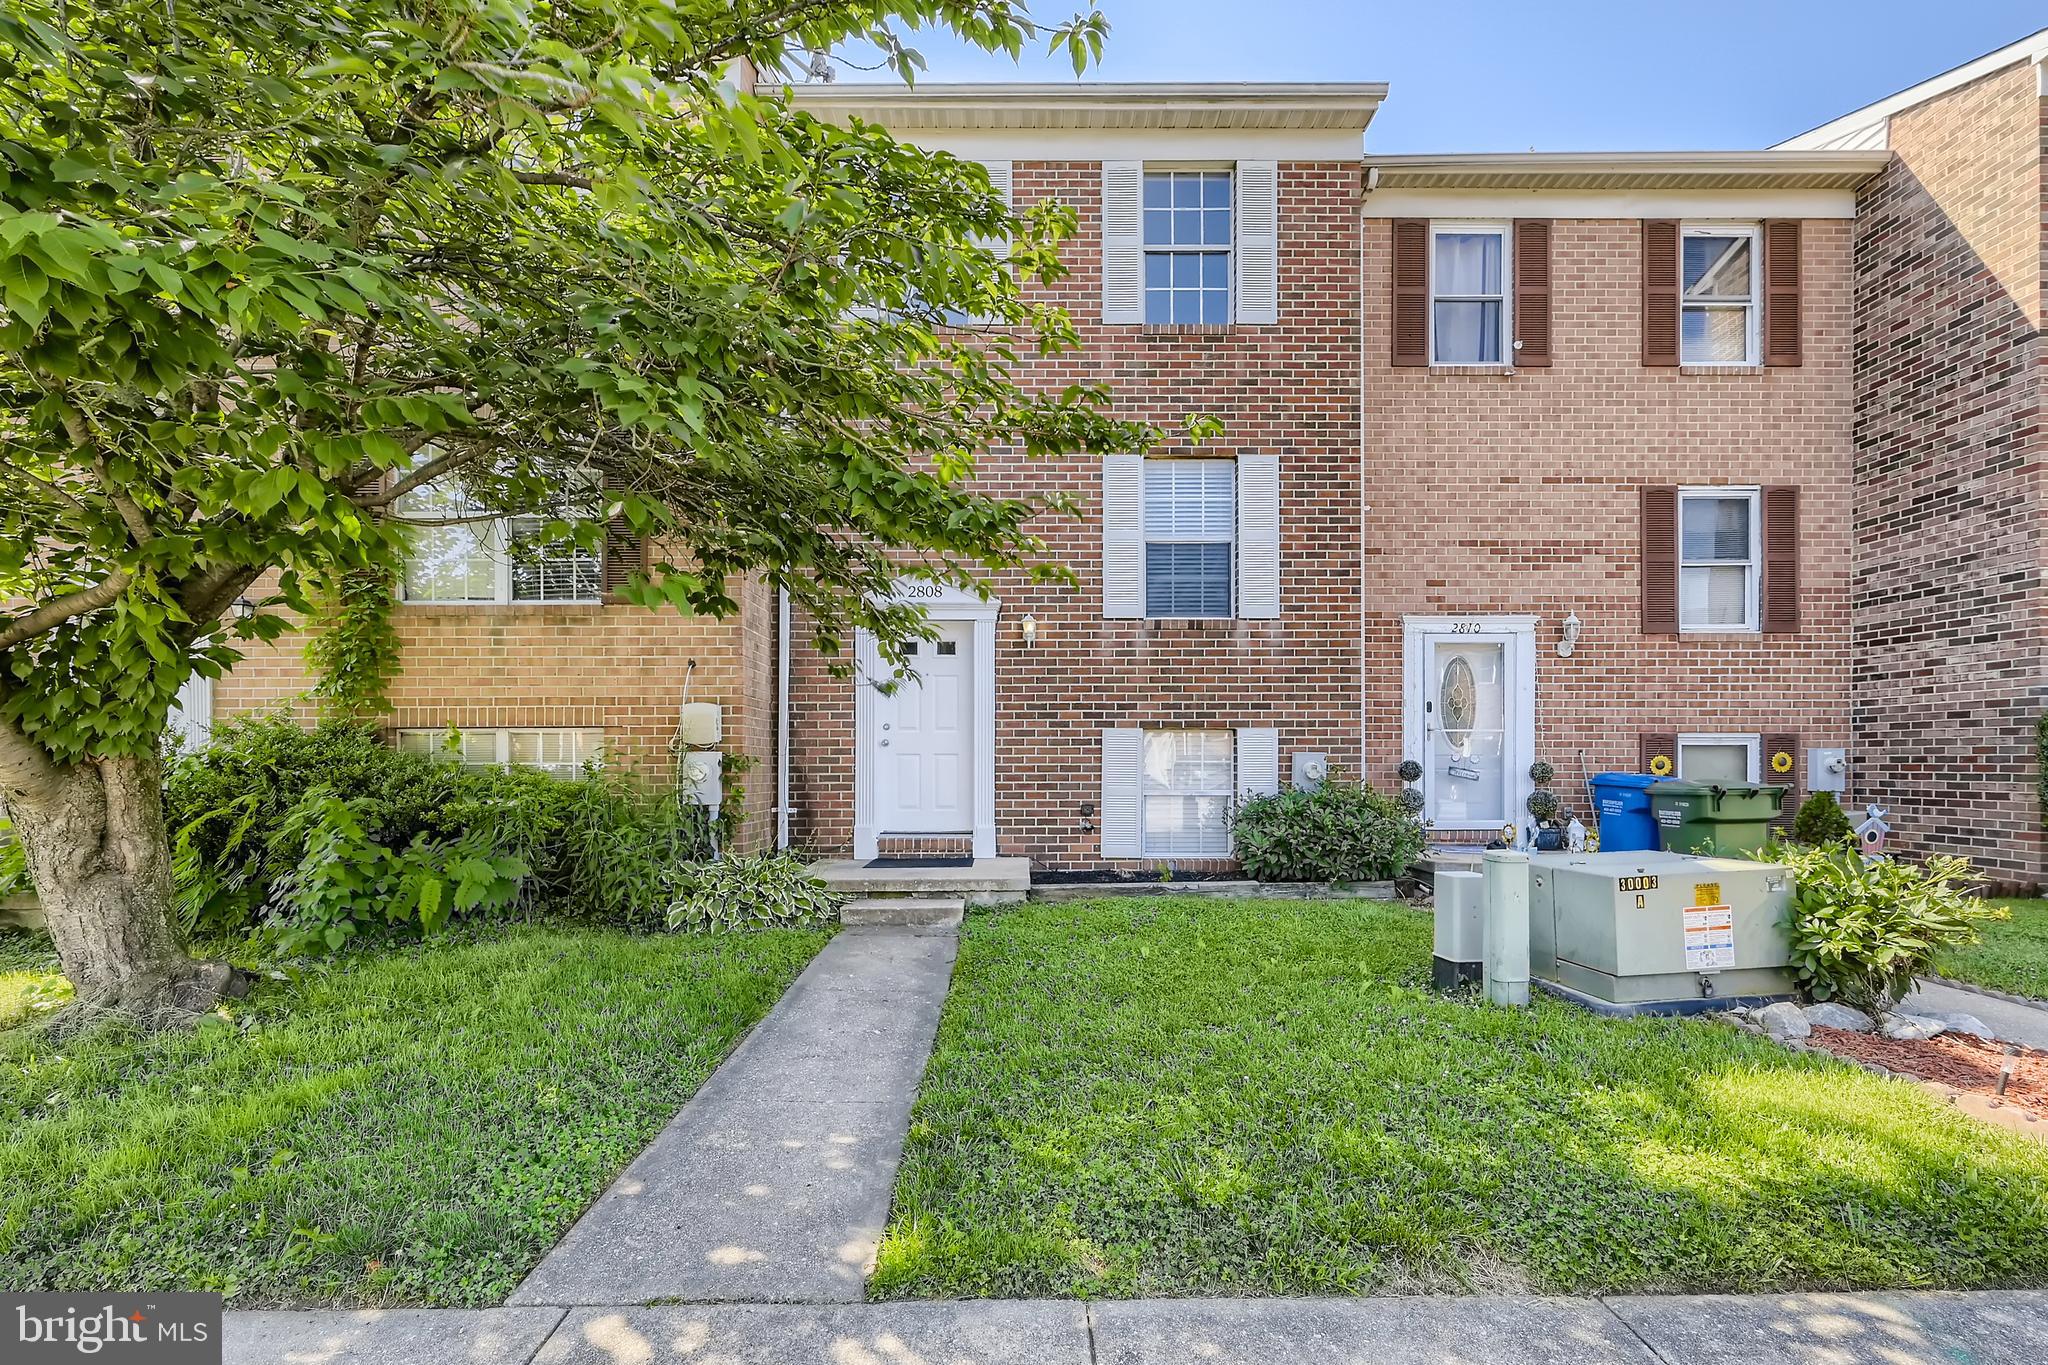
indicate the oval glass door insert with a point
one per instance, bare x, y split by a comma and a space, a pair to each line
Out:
1457, 700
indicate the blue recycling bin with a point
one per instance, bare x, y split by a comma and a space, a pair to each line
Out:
1626, 824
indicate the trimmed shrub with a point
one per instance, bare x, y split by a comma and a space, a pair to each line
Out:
1342, 832
1821, 820
754, 891
1862, 928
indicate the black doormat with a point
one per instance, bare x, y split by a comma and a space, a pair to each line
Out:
920, 862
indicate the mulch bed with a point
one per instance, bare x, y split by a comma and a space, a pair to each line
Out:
1957, 1060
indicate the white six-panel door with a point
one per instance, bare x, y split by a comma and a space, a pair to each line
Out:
924, 740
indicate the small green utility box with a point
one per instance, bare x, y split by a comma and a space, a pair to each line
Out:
1716, 821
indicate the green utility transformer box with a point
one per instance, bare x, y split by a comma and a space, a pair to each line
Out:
1659, 933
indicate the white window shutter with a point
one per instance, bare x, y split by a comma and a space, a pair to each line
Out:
1258, 242
1258, 761
1123, 241
1258, 537
999, 178
1123, 536
1123, 767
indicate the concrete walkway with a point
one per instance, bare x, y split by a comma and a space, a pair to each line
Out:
772, 1184
1808, 1329
2010, 1020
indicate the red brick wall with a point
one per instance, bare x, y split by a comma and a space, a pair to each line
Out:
1290, 390
1951, 506
618, 669
1519, 493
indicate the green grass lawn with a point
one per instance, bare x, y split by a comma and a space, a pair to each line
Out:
2013, 955
412, 1126
30, 984
1183, 1096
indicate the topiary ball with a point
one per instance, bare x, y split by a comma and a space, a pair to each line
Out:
1542, 804
1411, 799
1409, 771
1540, 772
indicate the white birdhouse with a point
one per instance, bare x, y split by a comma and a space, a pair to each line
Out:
1870, 834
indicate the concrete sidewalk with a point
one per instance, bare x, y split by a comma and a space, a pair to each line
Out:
1800, 1329
2009, 1019
772, 1184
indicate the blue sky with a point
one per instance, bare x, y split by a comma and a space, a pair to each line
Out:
1492, 76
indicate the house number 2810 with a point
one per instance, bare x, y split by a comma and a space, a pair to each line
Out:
1465, 628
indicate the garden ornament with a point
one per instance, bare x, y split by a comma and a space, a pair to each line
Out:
1870, 834
1575, 836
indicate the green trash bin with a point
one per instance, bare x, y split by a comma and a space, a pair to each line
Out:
1721, 822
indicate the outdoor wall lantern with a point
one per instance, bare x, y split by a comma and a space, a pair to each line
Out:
1029, 626
244, 609
1568, 639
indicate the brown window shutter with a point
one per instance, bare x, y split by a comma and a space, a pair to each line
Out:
625, 554
1660, 560
1781, 291
1789, 779
1651, 746
1532, 292
1660, 291
1781, 559
1411, 291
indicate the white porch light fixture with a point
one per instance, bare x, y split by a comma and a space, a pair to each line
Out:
1568, 639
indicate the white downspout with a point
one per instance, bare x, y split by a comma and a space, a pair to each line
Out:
782, 719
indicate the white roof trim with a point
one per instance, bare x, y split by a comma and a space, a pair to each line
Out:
1741, 205
1626, 172
1870, 125
1345, 107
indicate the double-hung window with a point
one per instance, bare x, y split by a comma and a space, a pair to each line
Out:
490, 559
1718, 296
1468, 279
562, 752
1186, 792
1187, 246
1190, 537
1719, 559
1717, 758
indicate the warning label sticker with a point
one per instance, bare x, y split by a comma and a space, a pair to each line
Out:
1709, 938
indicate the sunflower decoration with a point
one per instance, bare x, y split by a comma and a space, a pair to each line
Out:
1660, 766
1781, 762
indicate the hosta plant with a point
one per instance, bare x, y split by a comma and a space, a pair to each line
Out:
1861, 928
754, 891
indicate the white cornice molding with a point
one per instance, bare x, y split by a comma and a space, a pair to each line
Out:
1240, 106
1626, 172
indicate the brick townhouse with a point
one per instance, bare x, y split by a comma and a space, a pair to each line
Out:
1950, 596
1525, 457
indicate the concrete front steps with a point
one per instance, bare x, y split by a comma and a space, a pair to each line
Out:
922, 897
912, 912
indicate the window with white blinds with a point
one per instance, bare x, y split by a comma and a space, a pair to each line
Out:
559, 751
1719, 559
492, 559
1190, 537
1185, 794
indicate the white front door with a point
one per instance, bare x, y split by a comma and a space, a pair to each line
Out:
1470, 703
924, 740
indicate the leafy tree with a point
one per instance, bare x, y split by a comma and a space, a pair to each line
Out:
275, 269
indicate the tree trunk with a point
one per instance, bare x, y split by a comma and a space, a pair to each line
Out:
94, 835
